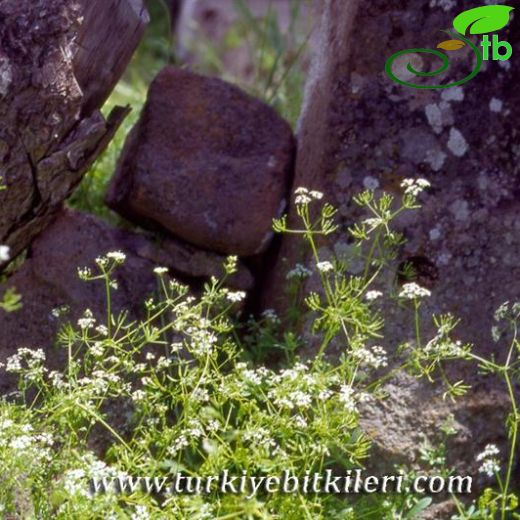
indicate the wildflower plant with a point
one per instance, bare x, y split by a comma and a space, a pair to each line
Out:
188, 390
501, 499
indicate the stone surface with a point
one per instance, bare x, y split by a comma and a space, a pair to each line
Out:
48, 279
358, 128
189, 262
207, 162
413, 415
59, 60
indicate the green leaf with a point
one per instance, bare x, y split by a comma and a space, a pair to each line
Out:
482, 20
419, 507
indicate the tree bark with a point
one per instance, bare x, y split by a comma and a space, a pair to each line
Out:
59, 61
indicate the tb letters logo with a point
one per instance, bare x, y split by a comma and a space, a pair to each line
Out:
478, 21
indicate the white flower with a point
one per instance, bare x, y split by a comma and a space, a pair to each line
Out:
441, 345
118, 256
300, 200
22, 442
200, 395
231, 265
259, 437
139, 395
373, 222
97, 350
300, 421
324, 267
373, 295
101, 261
180, 443
164, 362
141, 513
490, 465
375, 357
160, 270
304, 196
5, 254
412, 291
202, 341
414, 186
252, 377
237, 296
195, 429
489, 451
346, 396
57, 312
176, 347
84, 273
73, 482
300, 399
102, 330
33, 358
324, 395
13, 364
87, 321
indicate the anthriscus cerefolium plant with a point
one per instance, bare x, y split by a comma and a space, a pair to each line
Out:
185, 390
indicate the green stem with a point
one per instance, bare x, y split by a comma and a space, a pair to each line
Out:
417, 324
109, 304
514, 428
100, 419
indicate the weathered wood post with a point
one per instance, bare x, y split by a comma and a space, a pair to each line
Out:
59, 61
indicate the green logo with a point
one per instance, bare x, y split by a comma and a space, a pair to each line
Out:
480, 20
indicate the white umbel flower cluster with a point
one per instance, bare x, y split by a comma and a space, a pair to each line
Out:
117, 256
25, 357
5, 254
87, 321
324, 267
413, 291
414, 186
490, 464
305, 196
236, 296
373, 295
159, 271
347, 398
374, 357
